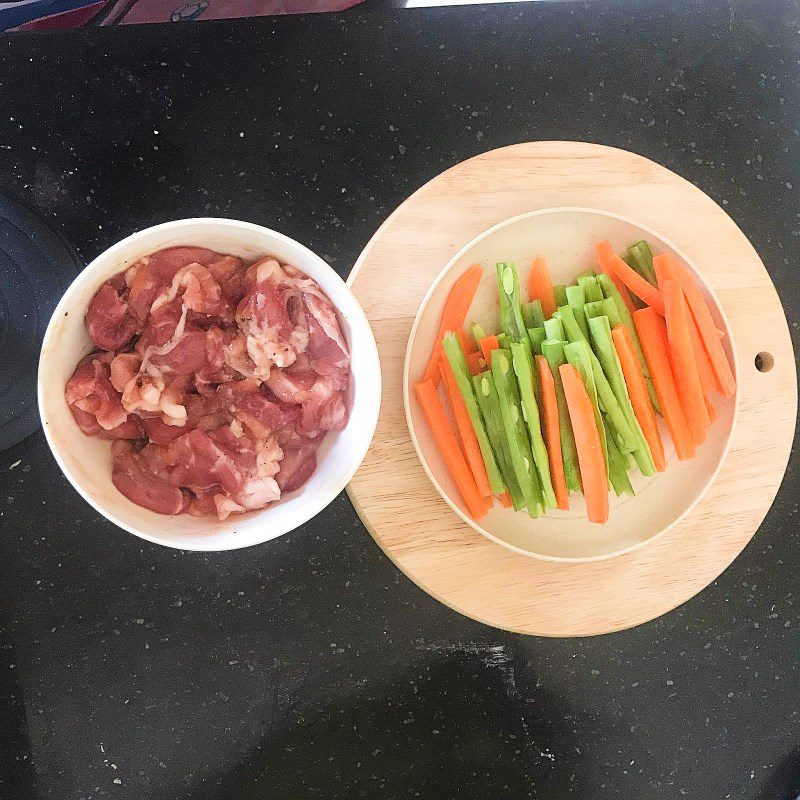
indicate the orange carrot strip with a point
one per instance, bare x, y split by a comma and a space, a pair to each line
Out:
666, 268
540, 285
653, 336
603, 252
487, 345
455, 312
469, 441
587, 442
712, 414
709, 333
684, 366
708, 378
631, 278
468, 344
637, 390
476, 363
505, 500
552, 432
446, 442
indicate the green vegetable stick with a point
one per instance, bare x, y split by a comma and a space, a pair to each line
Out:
640, 258
554, 329
478, 332
572, 329
503, 340
514, 427
591, 288
576, 299
594, 309
489, 405
523, 367
536, 336
532, 314
611, 292
617, 471
603, 308
605, 394
560, 293
511, 322
600, 331
578, 354
619, 425
458, 364
553, 351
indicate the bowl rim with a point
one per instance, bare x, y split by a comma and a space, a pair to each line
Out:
310, 509
407, 394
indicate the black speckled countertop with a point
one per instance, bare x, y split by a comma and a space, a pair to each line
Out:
308, 666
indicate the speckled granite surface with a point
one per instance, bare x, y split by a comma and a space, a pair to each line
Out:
309, 667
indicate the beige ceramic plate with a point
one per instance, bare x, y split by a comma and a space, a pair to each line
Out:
566, 237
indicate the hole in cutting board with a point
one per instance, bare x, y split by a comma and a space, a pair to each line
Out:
764, 361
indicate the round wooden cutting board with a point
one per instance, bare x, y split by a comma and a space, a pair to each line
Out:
394, 497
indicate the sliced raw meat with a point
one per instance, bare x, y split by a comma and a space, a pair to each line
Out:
130, 429
324, 408
189, 355
292, 385
198, 291
228, 272
272, 318
258, 410
161, 433
327, 348
161, 326
90, 390
152, 274
133, 476
224, 506
297, 466
108, 320
124, 368
199, 463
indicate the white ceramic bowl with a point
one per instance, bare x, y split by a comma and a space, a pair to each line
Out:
566, 237
86, 461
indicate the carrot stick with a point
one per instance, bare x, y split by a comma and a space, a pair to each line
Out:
709, 333
455, 312
469, 442
684, 366
614, 265
552, 432
712, 415
587, 442
540, 285
666, 269
487, 344
446, 442
468, 344
708, 378
653, 335
505, 500
603, 252
637, 391
476, 363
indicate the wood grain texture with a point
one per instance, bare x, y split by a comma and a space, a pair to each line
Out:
391, 492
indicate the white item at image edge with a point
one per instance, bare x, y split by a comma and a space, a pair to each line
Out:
566, 238
86, 460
